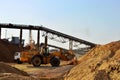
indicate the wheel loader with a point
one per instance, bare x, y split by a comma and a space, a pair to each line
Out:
43, 56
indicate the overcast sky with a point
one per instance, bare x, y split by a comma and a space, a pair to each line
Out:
97, 21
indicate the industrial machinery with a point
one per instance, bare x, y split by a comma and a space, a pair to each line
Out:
43, 55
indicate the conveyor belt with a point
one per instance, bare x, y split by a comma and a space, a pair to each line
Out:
16, 26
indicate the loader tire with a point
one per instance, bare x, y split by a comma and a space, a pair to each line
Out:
36, 61
19, 62
55, 61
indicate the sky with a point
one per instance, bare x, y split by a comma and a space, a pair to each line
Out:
96, 21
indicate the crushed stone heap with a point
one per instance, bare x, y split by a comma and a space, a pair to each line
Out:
100, 63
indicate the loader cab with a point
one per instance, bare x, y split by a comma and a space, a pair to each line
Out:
46, 51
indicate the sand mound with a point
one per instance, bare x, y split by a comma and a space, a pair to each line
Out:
100, 63
7, 51
4, 68
10, 73
12, 76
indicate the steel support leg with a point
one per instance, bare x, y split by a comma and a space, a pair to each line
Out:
70, 44
38, 39
0, 32
20, 44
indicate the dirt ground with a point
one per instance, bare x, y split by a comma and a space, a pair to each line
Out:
44, 72
25, 71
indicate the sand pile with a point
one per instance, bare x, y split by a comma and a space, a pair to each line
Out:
12, 76
4, 68
7, 51
10, 73
100, 63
